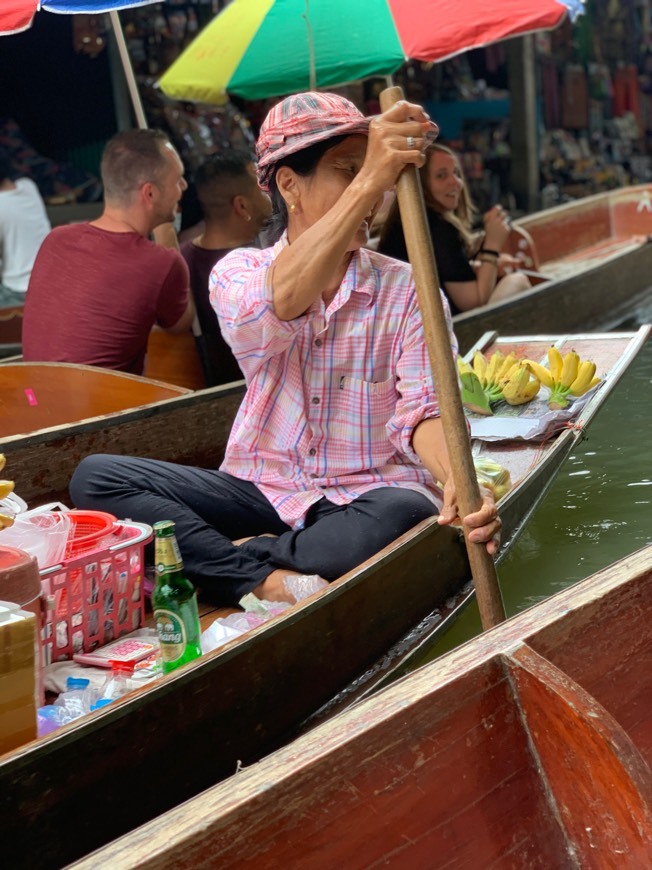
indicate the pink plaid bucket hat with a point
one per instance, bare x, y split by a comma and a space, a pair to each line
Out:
302, 120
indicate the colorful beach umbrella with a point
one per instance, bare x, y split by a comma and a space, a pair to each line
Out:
265, 48
18, 15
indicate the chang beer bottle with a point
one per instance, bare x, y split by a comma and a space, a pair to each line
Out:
174, 602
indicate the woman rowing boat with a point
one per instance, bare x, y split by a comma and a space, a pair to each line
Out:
337, 448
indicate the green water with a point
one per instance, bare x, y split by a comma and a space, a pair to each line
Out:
597, 511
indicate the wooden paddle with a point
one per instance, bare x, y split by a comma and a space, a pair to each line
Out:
444, 371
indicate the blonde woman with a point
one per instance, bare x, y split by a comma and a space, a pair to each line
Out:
467, 262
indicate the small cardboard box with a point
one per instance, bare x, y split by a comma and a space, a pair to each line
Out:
17, 676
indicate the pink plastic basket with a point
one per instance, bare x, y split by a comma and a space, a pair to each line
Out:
96, 596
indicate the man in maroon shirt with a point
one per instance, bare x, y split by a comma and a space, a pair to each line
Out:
97, 288
235, 210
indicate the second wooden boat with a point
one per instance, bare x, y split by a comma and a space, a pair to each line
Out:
591, 263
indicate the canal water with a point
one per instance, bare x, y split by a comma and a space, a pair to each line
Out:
598, 510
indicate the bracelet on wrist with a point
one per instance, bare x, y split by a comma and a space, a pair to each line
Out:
489, 251
488, 258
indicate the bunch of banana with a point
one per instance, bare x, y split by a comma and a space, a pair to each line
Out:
501, 378
566, 376
6, 487
492, 372
519, 386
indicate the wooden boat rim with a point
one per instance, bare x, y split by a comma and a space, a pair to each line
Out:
99, 371
618, 194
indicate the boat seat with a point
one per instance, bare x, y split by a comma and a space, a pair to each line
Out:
11, 329
592, 255
174, 359
40, 395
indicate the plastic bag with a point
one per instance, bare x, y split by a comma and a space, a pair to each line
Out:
42, 532
493, 476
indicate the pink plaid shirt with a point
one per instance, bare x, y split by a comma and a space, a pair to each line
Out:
334, 395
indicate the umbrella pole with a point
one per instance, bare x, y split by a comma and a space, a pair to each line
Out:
128, 70
419, 246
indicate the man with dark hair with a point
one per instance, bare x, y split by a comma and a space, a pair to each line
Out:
97, 288
235, 210
23, 226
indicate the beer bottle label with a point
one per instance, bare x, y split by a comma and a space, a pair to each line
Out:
171, 633
168, 555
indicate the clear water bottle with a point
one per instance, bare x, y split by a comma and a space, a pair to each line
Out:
74, 701
117, 682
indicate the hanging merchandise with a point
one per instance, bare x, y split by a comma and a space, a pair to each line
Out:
574, 98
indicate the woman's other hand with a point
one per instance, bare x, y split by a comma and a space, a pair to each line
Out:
496, 228
483, 526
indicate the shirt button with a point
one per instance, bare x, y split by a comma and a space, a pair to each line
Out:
315, 400
312, 451
313, 475
318, 342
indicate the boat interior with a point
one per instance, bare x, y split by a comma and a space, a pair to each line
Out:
574, 237
36, 396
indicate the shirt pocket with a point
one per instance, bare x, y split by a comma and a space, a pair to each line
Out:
361, 412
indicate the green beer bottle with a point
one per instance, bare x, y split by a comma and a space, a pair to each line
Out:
174, 602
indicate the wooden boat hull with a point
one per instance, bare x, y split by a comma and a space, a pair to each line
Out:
597, 258
147, 753
528, 746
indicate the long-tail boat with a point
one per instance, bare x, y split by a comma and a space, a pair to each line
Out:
589, 262
529, 746
164, 744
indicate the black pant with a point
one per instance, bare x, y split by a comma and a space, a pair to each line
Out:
212, 508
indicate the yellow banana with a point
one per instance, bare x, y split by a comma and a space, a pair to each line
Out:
507, 364
585, 374
516, 391
492, 367
6, 486
555, 362
532, 389
479, 366
462, 366
5, 521
541, 373
569, 368
2, 461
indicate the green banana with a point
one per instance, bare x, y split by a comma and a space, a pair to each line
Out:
473, 395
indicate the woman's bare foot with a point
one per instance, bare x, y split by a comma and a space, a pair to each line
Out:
274, 588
